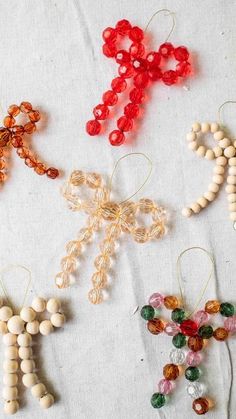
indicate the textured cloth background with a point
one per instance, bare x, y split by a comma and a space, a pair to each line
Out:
104, 363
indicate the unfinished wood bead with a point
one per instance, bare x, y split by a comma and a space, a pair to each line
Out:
27, 366
5, 313
196, 127
205, 127
195, 207
24, 339
213, 187
210, 196
214, 127
218, 151
232, 161
33, 327
191, 136
224, 143
38, 390
57, 319
231, 180
46, 401
10, 366
11, 352
11, 407
232, 197
3, 327
53, 305
187, 212
10, 393
221, 161
218, 179
10, 380
28, 314
232, 207
219, 135
219, 170
230, 189
9, 339
45, 327
29, 380
203, 202
229, 151
15, 325
193, 145
210, 155
39, 304
25, 352
232, 170
201, 151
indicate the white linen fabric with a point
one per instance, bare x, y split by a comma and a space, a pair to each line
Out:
104, 363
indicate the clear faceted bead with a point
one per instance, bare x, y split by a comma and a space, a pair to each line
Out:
140, 234
99, 280
146, 205
159, 214
101, 195
74, 248
93, 180
177, 356
156, 230
77, 178
95, 296
68, 264
62, 280
94, 222
85, 235
107, 246
195, 390
110, 211
113, 231
102, 262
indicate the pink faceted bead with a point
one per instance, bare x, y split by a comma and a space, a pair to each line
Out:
171, 329
193, 358
201, 317
230, 324
165, 386
156, 300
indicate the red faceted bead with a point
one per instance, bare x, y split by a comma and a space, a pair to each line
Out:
155, 74
124, 123
189, 328
141, 80
183, 69
153, 59
166, 49
139, 65
126, 70
109, 35
52, 173
118, 84
123, 27
17, 141
93, 127
170, 77
136, 50
110, 98
136, 95
101, 112
181, 54
116, 137
109, 50
136, 34
122, 57
131, 110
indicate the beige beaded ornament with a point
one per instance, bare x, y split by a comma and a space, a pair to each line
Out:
120, 217
17, 331
224, 155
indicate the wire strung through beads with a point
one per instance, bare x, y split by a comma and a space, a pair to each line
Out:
142, 68
12, 134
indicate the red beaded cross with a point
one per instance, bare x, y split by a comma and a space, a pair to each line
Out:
140, 70
12, 134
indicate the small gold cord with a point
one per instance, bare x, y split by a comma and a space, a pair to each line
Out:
169, 13
8, 268
221, 107
180, 281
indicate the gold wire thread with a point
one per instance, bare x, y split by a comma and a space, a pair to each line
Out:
180, 281
221, 107
169, 13
143, 184
8, 268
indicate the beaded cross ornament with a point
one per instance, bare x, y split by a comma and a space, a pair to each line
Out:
13, 134
119, 217
139, 65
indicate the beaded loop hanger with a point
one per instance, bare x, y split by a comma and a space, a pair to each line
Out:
17, 331
225, 156
193, 330
142, 68
12, 134
121, 217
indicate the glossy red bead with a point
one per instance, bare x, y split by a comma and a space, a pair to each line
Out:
153, 59
93, 127
155, 74
125, 124
122, 56
126, 70
170, 77
101, 112
183, 69
136, 95
109, 35
189, 328
141, 80
116, 137
131, 110
110, 98
139, 64
123, 27
136, 34
109, 50
166, 49
136, 50
52, 173
118, 84
181, 54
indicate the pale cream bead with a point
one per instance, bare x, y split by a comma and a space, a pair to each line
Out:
11, 352
10, 393
187, 212
205, 127
219, 135
233, 216
27, 366
38, 390
232, 170
195, 207
210, 196
193, 145
33, 327
11, 407
10, 380
196, 127
213, 187
231, 180
221, 161
224, 143
3, 327
30, 379
232, 207
45, 327
46, 401
39, 304
219, 179
210, 155
53, 305
191, 136
218, 151
201, 151
219, 170
16, 325
214, 127
232, 197
25, 352
10, 366
24, 339
229, 152
232, 161
230, 188
28, 314
202, 202
57, 319
9, 339
5, 313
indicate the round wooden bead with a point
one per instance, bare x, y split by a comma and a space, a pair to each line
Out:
203, 202
187, 212
210, 155
232, 161
11, 407
46, 401
191, 136
28, 314
219, 170
3, 327
232, 207
38, 390
10, 366
10, 393
230, 189
39, 304
53, 305
45, 327
195, 207
24, 339
219, 135
232, 197
10, 380
205, 127
210, 196
15, 325
218, 151
27, 366
224, 143
221, 161
214, 127
231, 180
33, 327
232, 170
218, 179
57, 319
9, 339
196, 127
30, 379
233, 216
5, 313
201, 151
193, 145
11, 352
229, 151
25, 352
214, 187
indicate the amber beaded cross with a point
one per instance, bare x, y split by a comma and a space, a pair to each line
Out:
121, 217
13, 135
195, 333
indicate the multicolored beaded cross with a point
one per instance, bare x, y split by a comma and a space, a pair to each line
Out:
12, 135
142, 71
195, 333
122, 217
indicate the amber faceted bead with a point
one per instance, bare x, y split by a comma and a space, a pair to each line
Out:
26, 107
9, 121
2, 177
155, 326
201, 406
40, 169
195, 343
17, 141
52, 173
30, 127
212, 307
34, 116
5, 136
220, 334
13, 110
171, 371
18, 130
171, 302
